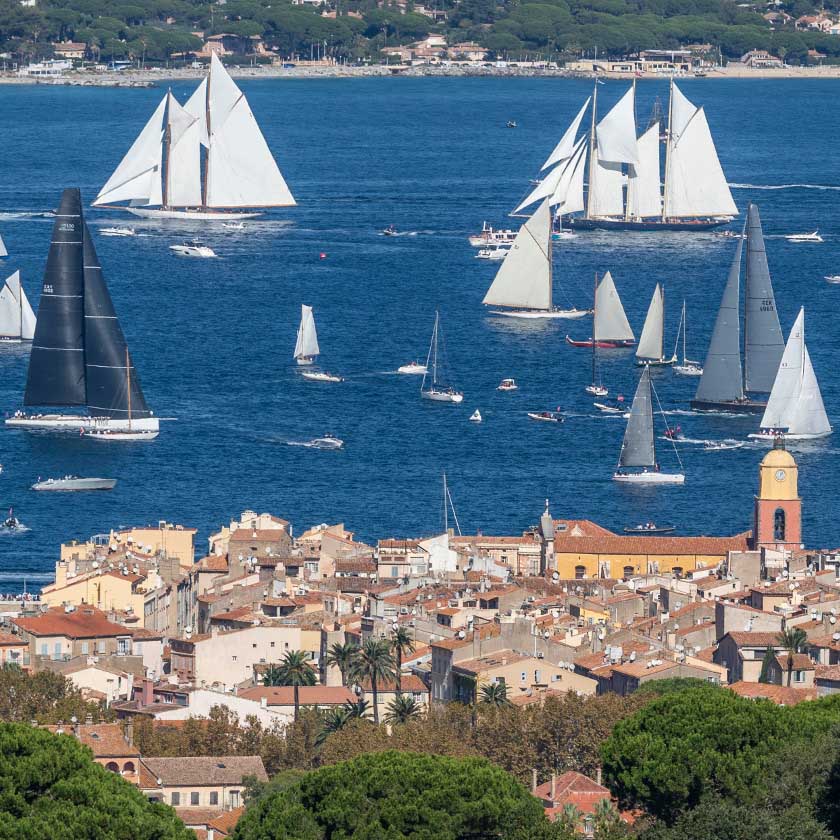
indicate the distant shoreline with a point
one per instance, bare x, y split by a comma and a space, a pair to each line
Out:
153, 77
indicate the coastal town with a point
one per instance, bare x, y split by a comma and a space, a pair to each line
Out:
262, 621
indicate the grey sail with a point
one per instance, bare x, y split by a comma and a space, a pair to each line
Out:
108, 366
637, 449
722, 378
56, 373
763, 341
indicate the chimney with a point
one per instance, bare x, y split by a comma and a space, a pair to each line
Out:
553, 787
263, 702
75, 724
88, 719
534, 780
598, 775
129, 733
147, 694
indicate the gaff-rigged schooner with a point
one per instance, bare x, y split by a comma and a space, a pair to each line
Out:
79, 355
206, 159
17, 320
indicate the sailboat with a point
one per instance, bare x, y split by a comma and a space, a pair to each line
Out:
166, 175
688, 366
436, 391
610, 327
726, 385
638, 449
17, 320
3, 251
649, 351
523, 284
625, 190
306, 346
79, 354
795, 409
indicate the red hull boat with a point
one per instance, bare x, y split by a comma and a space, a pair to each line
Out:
607, 345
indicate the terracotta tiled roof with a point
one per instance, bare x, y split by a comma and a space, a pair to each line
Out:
142, 634
639, 668
225, 823
147, 779
828, 672
449, 610
409, 682
104, 739
780, 694
260, 535
82, 623
197, 817
570, 787
745, 639
395, 544
586, 528
7, 640
202, 770
310, 695
801, 661
566, 543
213, 563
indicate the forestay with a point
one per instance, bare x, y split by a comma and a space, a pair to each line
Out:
610, 322
637, 448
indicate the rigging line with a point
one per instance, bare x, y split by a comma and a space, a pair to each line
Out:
454, 515
673, 444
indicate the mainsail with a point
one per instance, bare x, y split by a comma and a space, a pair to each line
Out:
637, 448
763, 340
307, 336
795, 405
568, 197
606, 188
524, 278
643, 189
610, 321
650, 341
183, 161
565, 147
17, 320
3, 251
616, 133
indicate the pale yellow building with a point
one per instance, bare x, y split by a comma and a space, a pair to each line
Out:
174, 541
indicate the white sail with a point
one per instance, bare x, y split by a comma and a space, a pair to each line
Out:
197, 106
565, 148
616, 133
611, 323
682, 110
307, 336
795, 404
650, 341
524, 278
573, 201
241, 171
643, 189
10, 307
3, 251
548, 186
27, 321
696, 185
138, 176
606, 189
183, 166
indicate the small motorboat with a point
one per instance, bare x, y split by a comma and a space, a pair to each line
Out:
511, 123
320, 376
650, 528
413, 369
689, 369
489, 236
390, 231
507, 385
560, 235
475, 417
71, 483
547, 416
234, 225
615, 406
730, 234
495, 253
11, 522
832, 278
192, 249
596, 390
722, 446
804, 237
326, 442
117, 231
121, 435
674, 433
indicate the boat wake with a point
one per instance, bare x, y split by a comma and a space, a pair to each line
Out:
14, 532
395, 234
785, 187
708, 444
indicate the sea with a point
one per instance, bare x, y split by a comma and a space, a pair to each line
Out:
212, 339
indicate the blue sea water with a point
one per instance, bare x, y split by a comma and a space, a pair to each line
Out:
212, 339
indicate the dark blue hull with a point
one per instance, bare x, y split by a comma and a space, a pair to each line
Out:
644, 225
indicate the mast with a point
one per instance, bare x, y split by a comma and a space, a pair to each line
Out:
629, 181
667, 151
207, 151
128, 380
746, 303
592, 150
167, 145
445, 506
594, 303
434, 353
550, 256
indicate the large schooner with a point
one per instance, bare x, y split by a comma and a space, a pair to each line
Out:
79, 355
726, 384
206, 159
625, 189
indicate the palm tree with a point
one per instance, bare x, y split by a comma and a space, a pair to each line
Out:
401, 643
341, 656
375, 663
296, 671
333, 720
495, 694
357, 710
402, 709
792, 640
272, 675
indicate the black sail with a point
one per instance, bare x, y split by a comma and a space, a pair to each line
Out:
57, 363
107, 360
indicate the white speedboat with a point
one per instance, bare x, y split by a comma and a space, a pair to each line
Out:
597, 390
492, 253
721, 446
73, 483
612, 408
546, 416
804, 237
320, 376
507, 385
475, 417
689, 368
489, 236
192, 249
122, 435
117, 231
832, 278
413, 369
326, 442
234, 225
390, 231
12, 523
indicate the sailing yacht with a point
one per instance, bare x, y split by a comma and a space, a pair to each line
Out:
625, 188
166, 175
17, 320
726, 385
523, 284
436, 391
3, 251
688, 367
795, 409
306, 346
79, 354
649, 351
638, 449
610, 327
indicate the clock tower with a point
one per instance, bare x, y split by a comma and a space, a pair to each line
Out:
778, 508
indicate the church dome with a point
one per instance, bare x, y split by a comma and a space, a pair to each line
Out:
778, 458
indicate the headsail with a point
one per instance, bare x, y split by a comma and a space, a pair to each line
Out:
307, 335
610, 321
763, 340
568, 197
637, 448
524, 278
650, 341
554, 180
644, 196
566, 146
3, 251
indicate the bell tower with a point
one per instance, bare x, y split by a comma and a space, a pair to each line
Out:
778, 508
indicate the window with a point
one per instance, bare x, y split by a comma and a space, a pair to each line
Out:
536, 676
123, 647
176, 800
779, 525
57, 650
44, 649
272, 644
100, 646
628, 572
254, 646
523, 676
799, 676
128, 767
194, 798
580, 572
85, 648
214, 797
234, 799
113, 767
395, 571
233, 658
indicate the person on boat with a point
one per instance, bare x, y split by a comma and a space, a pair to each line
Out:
656, 467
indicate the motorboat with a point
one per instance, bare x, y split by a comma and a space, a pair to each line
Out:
832, 278
11, 522
721, 446
490, 236
597, 390
475, 417
191, 248
804, 237
74, 483
546, 416
648, 476
492, 253
320, 376
729, 234
118, 231
390, 231
326, 442
234, 225
616, 406
689, 368
650, 528
674, 433
511, 124
507, 385
413, 369
121, 435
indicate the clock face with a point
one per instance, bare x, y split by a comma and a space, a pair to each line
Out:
780, 475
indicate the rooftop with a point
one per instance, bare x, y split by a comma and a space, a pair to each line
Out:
81, 623
206, 770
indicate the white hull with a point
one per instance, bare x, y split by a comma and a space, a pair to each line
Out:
305, 360
4, 339
655, 362
688, 370
413, 370
320, 377
551, 418
111, 436
442, 396
192, 251
191, 215
534, 314
65, 485
326, 443
596, 390
75, 422
650, 478
785, 436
